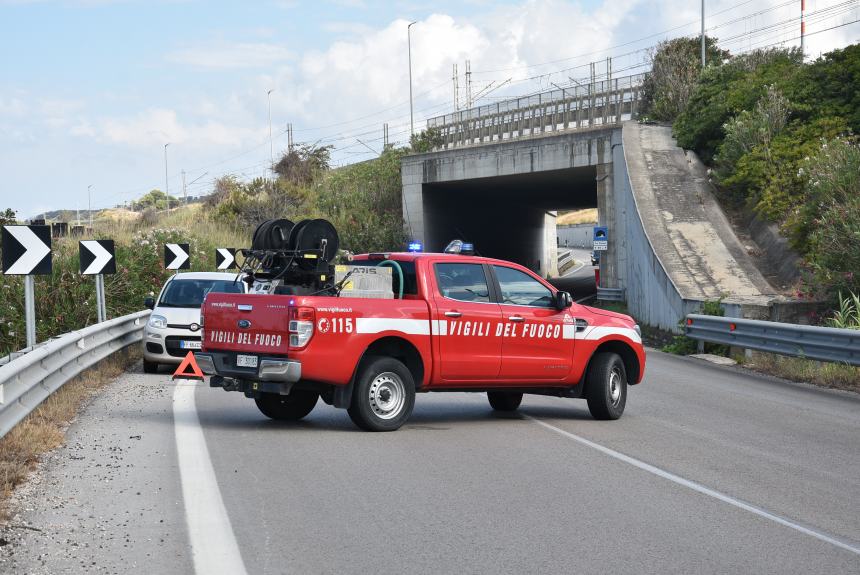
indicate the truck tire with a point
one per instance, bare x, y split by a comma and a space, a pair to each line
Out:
504, 400
150, 366
384, 395
606, 386
292, 407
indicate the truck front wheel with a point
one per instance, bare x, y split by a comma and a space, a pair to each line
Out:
292, 407
606, 386
384, 395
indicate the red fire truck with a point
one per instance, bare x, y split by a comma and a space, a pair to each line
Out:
456, 322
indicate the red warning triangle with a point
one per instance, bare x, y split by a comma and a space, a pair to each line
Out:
188, 363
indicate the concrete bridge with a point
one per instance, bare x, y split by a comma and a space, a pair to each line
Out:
500, 184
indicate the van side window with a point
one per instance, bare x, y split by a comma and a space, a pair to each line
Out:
519, 288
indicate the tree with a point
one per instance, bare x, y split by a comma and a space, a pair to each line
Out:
154, 199
675, 69
303, 164
426, 141
8, 217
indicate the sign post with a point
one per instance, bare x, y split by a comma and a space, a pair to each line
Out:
27, 252
98, 257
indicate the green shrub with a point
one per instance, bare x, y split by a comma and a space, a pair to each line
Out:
683, 345
848, 314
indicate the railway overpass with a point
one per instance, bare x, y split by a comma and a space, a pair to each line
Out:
503, 170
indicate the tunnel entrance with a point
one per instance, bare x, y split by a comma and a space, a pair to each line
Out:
507, 217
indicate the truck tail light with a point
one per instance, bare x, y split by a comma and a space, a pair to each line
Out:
301, 326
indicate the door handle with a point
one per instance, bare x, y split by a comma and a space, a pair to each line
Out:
452, 314
516, 319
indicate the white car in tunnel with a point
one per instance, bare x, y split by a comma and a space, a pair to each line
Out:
173, 328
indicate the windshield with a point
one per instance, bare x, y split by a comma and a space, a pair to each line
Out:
190, 293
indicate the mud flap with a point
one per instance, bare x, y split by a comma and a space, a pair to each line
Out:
342, 396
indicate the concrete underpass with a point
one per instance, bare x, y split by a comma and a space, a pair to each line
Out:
508, 217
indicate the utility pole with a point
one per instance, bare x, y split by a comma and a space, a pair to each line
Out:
468, 84
271, 145
184, 190
90, 204
411, 114
290, 137
166, 190
703, 33
802, 30
385, 136
456, 89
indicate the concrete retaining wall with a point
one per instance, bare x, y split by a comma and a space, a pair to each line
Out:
651, 296
576, 236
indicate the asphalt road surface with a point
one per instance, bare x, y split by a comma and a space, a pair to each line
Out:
710, 470
578, 280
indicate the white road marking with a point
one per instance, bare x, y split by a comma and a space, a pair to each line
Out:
699, 488
213, 545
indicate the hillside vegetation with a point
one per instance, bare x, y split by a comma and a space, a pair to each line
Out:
362, 200
779, 136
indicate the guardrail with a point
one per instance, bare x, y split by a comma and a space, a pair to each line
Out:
610, 294
809, 342
591, 105
27, 380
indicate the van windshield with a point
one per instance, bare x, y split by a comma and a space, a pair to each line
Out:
190, 293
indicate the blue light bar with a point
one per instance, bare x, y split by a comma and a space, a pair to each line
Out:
415, 247
467, 249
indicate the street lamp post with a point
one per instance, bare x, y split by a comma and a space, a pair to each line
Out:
90, 204
411, 115
166, 189
271, 146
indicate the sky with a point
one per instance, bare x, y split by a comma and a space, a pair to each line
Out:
92, 90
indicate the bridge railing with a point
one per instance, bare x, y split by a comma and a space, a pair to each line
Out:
809, 342
29, 378
585, 106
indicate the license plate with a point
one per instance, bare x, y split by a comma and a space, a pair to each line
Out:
246, 361
189, 344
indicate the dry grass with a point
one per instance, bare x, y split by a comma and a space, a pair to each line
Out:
45, 428
833, 375
587, 216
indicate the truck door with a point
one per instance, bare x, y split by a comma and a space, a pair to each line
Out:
464, 323
534, 347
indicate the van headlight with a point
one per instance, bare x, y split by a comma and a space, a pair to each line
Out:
638, 330
157, 321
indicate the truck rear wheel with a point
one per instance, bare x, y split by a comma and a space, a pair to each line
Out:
292, 407
384, 395
606, 386
504, 400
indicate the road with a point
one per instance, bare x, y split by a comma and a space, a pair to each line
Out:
578, 280
710, 470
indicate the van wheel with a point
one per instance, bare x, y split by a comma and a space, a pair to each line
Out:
504, 400
384, 395
606, 386
150, 366
292, 407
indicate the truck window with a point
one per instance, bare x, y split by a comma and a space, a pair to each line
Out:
463, 282
410, 282
519, 288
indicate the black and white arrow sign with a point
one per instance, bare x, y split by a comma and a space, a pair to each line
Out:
176, 257
97, 257
27, 250
225, 258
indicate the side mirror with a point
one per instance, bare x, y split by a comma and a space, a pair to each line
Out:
563, 300
149, 303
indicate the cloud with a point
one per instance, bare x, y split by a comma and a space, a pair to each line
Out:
238, 55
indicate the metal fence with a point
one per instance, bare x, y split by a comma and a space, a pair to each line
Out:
585, 106
28, 379
810, 342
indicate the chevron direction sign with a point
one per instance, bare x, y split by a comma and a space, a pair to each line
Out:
27, 250
225, 258
177, 256
97, 257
